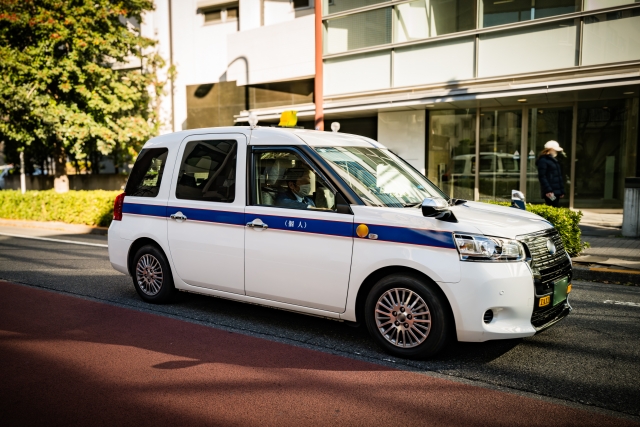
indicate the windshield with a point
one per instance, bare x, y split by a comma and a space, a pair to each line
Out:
379, 177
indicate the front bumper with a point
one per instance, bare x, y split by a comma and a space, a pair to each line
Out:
545, 319
512, 291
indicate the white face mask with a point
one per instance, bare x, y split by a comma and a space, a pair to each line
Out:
305, 190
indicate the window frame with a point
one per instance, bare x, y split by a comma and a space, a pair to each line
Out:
251, 187
180, 162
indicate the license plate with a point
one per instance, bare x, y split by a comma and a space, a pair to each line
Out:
561, 289
544, 301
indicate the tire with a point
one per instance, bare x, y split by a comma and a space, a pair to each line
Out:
425, 313
152, 276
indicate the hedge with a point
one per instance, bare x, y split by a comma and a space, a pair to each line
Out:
564, 220
75, 207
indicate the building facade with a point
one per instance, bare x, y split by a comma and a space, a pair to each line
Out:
467, 91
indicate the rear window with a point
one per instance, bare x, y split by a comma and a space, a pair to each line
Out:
146, 175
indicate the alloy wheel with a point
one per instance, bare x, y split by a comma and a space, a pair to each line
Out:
149, 274
403, 318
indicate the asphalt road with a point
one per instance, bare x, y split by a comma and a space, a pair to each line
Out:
591, 358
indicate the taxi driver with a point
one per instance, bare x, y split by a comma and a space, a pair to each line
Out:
296, 195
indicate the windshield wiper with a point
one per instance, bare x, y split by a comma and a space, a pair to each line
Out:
411, 205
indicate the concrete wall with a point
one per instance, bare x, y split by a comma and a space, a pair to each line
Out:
76, 182
278, 52
404, 133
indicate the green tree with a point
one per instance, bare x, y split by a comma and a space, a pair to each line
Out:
63, 87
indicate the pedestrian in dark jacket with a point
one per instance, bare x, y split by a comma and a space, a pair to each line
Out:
550, 174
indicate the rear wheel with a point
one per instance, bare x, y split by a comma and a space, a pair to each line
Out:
407, 317
152, 276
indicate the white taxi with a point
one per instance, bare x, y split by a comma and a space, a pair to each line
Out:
334, 225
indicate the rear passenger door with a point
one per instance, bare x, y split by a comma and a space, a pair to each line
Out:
297, 246
206, 212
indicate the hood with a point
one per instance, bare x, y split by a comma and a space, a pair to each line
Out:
499, 221
473, 217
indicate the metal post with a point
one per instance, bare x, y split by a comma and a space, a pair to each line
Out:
574, 139
476, 186
523, 150
318, 86
23, 183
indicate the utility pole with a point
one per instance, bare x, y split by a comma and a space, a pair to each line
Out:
318, 87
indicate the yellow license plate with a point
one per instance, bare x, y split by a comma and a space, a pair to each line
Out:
544, 301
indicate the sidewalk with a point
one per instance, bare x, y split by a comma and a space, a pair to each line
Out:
611, 257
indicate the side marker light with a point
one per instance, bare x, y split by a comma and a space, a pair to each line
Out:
569, 288
362, 230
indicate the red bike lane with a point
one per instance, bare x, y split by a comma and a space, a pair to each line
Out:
69, 361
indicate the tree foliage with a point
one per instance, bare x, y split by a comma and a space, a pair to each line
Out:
63, 89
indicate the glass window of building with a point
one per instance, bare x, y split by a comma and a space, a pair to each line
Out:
429, 18
529, 49
499, 163
611, 37
452, 148
358, 31
494, 12
601, 4
335, 6
547, 124
606, 150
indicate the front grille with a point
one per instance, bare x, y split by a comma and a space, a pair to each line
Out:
547, 268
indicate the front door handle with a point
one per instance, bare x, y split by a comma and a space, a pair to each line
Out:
257, 223
178, 216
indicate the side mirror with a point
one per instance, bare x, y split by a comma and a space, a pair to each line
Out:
518, 200
438, 208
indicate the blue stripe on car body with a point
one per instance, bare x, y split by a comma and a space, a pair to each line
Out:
148, 210
413, 236
207, 215
305, 225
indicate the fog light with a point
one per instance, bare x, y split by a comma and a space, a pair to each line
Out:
488, 316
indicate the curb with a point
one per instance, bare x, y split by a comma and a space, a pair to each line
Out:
54, 225
602, 274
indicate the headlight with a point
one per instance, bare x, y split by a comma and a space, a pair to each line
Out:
473, 247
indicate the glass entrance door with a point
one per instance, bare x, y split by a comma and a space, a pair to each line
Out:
500, 142
452, 148
605, 152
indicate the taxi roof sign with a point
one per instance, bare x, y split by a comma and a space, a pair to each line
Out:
288, 119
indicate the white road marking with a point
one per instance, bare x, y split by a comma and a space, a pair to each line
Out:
633, 304
48, 239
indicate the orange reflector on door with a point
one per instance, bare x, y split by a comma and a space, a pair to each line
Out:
362, 230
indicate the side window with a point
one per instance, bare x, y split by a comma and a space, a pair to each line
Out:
146, 175
283, 179
208, 171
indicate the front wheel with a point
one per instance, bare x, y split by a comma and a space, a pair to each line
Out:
152, 276
407, 317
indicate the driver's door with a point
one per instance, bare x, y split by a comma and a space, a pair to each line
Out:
295, 254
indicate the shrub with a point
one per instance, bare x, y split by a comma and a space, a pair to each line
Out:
75, 207
564, 220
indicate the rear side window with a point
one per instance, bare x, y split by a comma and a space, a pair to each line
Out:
146, 175
208, 171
